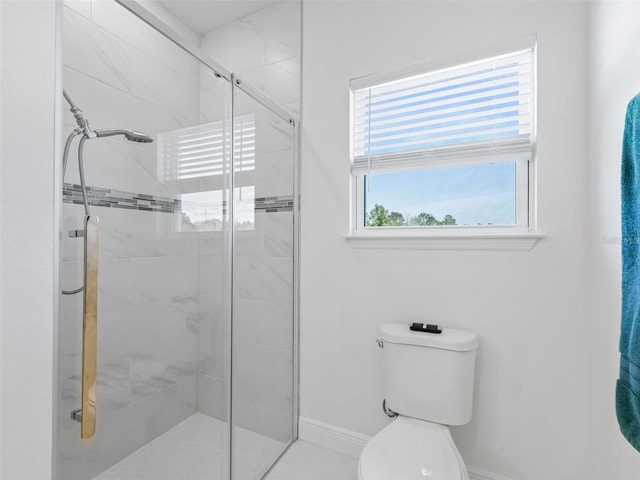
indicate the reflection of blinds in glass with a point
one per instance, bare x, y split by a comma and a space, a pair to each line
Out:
478, 109
200, 151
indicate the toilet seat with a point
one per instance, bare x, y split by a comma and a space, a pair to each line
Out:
411, 449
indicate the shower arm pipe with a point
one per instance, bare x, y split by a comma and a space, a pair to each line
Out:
82, 122
69, 101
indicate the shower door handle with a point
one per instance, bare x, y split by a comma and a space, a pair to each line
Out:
90, 328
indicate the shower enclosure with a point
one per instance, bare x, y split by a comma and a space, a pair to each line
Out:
178, 247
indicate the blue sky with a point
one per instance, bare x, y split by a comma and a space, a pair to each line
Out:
472, 194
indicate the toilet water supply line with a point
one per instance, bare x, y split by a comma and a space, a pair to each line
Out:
387, 411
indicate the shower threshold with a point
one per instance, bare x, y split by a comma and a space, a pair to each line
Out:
196, 450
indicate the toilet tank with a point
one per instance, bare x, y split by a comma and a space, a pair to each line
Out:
429, 376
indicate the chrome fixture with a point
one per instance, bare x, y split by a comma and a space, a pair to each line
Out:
128, 135
387, 411
86, 414
84, 130
83, 123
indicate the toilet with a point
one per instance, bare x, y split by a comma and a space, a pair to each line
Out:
428, 385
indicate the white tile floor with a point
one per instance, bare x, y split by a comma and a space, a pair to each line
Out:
192, 450
306, 461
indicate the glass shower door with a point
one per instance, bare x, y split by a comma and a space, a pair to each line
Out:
195, 264
163, 303
263, 381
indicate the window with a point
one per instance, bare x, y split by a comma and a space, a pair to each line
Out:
197, 152
445, 149
192, 160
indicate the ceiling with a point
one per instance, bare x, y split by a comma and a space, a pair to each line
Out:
202, 16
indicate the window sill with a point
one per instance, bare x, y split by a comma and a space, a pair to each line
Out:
521, 241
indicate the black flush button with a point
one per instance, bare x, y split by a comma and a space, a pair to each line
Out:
425, 327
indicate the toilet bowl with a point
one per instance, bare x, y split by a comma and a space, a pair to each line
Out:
411, 449
428, 377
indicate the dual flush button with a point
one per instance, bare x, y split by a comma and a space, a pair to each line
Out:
425, 327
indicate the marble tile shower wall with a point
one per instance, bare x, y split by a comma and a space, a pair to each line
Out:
263, 48
147, 357
263, 328
124, 75
264, 276
263, 296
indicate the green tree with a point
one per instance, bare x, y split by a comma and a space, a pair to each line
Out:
424, 219
378, 216
187, 224
381, 217
448, 220
396, 219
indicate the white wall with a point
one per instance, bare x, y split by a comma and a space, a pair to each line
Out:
531, 418
27, 238
615, 79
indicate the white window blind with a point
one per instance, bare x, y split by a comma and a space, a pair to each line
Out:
477, 111
200, 151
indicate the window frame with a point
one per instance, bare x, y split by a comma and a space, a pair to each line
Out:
525, 228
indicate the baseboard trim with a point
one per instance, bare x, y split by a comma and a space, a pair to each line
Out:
351, 443
329, 436
478, 474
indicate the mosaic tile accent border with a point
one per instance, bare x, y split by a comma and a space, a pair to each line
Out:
107, 197
274, 204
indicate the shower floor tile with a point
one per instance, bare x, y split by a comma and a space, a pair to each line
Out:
193, 450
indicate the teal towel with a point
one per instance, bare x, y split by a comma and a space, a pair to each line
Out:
628, 385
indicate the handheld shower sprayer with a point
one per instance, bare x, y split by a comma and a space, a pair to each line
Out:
84, 128
129, 135
86, 133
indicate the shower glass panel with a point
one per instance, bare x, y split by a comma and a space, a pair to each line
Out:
163, 265
195, 357
263, 287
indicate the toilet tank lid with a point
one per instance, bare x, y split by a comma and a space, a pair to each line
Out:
449, 339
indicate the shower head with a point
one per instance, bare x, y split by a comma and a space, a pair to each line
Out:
128, 135
110, 132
